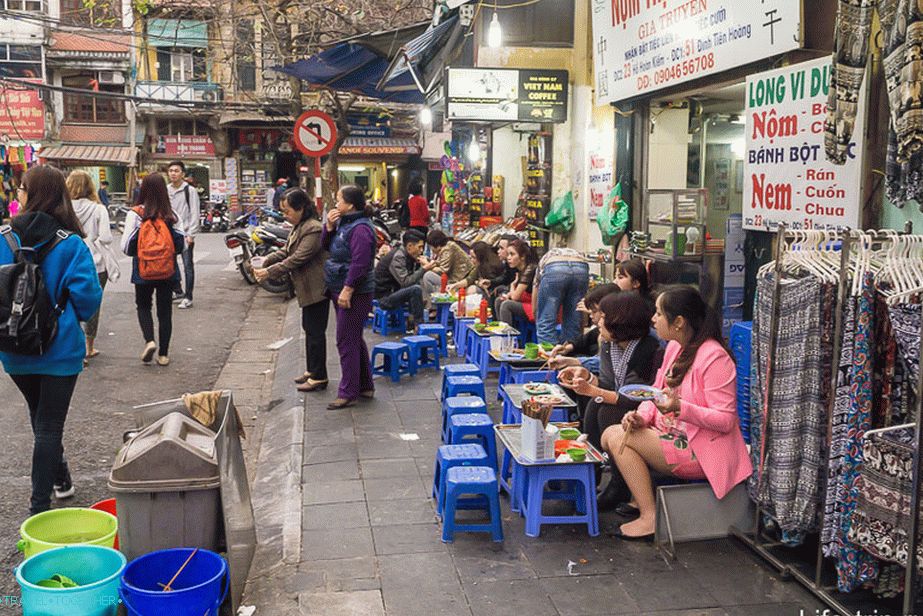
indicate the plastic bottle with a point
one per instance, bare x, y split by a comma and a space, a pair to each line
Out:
444, 281
482, 313
461, 303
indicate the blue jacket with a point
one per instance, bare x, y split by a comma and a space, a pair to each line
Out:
348, 258
70, 266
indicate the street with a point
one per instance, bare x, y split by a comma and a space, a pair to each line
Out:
116, 380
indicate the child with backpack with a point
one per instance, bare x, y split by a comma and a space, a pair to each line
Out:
151, 239
48, 284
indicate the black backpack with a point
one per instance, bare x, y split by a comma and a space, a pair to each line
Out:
403, 215
28, 317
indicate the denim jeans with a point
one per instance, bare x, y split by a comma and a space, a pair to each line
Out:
563, 285
411, 296
188, 272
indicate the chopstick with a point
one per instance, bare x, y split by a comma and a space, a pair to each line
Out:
625, 439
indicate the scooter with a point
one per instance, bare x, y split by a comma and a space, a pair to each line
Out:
258, 242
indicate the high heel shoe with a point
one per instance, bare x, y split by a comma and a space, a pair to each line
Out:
310, 385
340, 403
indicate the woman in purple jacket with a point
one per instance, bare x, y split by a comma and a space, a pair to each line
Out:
350, 238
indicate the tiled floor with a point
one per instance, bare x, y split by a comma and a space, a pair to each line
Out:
372, 544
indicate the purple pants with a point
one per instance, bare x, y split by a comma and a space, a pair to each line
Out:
354, 354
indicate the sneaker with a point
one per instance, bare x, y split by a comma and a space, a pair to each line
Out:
148, 353
163, 360
64, 490
178, 296
186, 303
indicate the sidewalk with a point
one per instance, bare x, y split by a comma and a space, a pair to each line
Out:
370, 542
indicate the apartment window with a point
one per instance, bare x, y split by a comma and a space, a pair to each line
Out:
179, 126
23, 5
21, 61
244, 51
181, 64
91, 108
91, 13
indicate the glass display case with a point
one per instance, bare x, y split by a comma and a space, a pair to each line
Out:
675, 224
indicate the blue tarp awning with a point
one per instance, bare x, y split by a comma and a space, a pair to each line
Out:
351, 67
414, 57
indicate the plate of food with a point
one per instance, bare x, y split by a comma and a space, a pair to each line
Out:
510, 356
536, 388
443, 298
552, 399
640, 393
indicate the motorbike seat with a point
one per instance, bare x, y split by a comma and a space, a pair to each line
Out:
278, 231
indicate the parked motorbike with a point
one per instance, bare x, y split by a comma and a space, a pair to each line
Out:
258, 241
215, 217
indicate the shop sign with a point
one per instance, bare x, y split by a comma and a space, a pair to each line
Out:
185, 145
368, 125
787, 178
600, 181
218, 189
23, 115
642, 46
495, 94
378, 150
269, 138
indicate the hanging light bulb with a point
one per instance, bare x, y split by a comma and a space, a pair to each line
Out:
494, 32
474, 150
426, 116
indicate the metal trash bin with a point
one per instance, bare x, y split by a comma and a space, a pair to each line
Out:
167, 488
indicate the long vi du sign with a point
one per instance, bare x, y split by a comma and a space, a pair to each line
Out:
787, 178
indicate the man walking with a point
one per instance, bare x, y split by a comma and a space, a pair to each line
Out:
103, 193
398, 275
185, 202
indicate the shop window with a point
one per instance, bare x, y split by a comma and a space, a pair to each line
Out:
21, 61
91, 108
181, 65
91, 13
545, 23
23, 5
244, 51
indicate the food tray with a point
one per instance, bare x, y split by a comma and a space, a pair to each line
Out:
516, 393
511, 437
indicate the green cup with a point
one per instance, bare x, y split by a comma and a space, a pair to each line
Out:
531, 351
547, 346
577, 454
570, 434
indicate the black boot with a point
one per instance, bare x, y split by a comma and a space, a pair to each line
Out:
616, 492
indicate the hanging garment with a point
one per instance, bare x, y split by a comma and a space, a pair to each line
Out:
788, 486
905, 320
881, 518
902, 28
883, 411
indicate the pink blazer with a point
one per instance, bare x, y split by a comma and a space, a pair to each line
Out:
708, 407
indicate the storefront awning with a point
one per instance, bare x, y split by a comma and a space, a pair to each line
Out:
90, 154
423, 59
378, 146
231, 117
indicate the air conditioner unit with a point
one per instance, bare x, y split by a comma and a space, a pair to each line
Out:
111, 77
210, 95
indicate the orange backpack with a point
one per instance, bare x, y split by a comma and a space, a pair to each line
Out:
156, 251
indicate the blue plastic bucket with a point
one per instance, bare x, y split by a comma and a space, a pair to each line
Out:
95, 569
196, 591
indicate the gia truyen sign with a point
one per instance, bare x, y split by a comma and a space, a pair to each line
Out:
496, 94
640, 46
787, 177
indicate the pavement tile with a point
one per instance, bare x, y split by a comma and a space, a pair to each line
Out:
358, 603
417, 584
425, 449
315, 437
330, 453
401, 511
326, 420
395, 467
714, 611
323, 492
741, 582
407, 539
666, 591
335, 516
337, 544
475, 564
509, 598
330, 471
304, 581
340, 569
586, 595
387, 445
393, 488
550, 559
777, 609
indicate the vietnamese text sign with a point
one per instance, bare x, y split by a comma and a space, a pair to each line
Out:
641, 46
493, 94
787, 177
22, 113
185, 145
600, 181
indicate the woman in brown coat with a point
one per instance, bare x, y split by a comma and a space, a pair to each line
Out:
303, 259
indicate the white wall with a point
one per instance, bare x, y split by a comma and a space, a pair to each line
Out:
509, 149
669, 149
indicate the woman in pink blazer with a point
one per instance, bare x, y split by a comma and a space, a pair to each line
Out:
692, 431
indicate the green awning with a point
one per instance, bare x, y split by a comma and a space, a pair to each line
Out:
177, 33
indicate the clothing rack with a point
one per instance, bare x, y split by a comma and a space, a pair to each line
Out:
757, 540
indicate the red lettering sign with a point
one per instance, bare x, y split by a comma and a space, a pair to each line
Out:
185, 145
22, 113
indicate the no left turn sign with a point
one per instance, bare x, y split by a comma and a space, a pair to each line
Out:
315, 133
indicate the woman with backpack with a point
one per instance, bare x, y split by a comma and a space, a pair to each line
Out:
94, 219
153, 243
46, 376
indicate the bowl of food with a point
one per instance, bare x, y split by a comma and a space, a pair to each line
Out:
546, 346
640, 393
534, 389
480, 328
570, 434
562, 445
552, 399
531, 351
576, 454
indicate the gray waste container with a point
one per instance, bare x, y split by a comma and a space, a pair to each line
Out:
166, 487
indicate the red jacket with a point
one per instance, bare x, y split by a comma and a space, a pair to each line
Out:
419, 211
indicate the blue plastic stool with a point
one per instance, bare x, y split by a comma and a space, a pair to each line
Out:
434, 329
370, 319
480, 480
389, 322
457, 370
527, 331
396, 360
581, 491
522, 377
477, 425
424, 353
460, 405
457, 385
449, 456
443, 314
460, 334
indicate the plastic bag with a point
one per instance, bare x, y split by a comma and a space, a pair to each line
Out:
560, 218
613, 217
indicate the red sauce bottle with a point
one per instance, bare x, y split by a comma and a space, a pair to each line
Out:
444, 282
461, 303
482, 313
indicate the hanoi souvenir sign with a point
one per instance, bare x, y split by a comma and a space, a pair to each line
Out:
517, 95
641, 46
315, 133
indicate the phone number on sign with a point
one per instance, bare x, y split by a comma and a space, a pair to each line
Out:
679, 70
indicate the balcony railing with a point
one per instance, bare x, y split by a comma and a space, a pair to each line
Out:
164, 93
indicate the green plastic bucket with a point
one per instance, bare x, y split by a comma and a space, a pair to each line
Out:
69, 526
96, 570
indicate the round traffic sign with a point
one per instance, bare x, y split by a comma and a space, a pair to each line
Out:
315, 133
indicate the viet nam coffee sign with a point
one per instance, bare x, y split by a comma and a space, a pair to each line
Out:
642, 46
787, 178
494, 94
